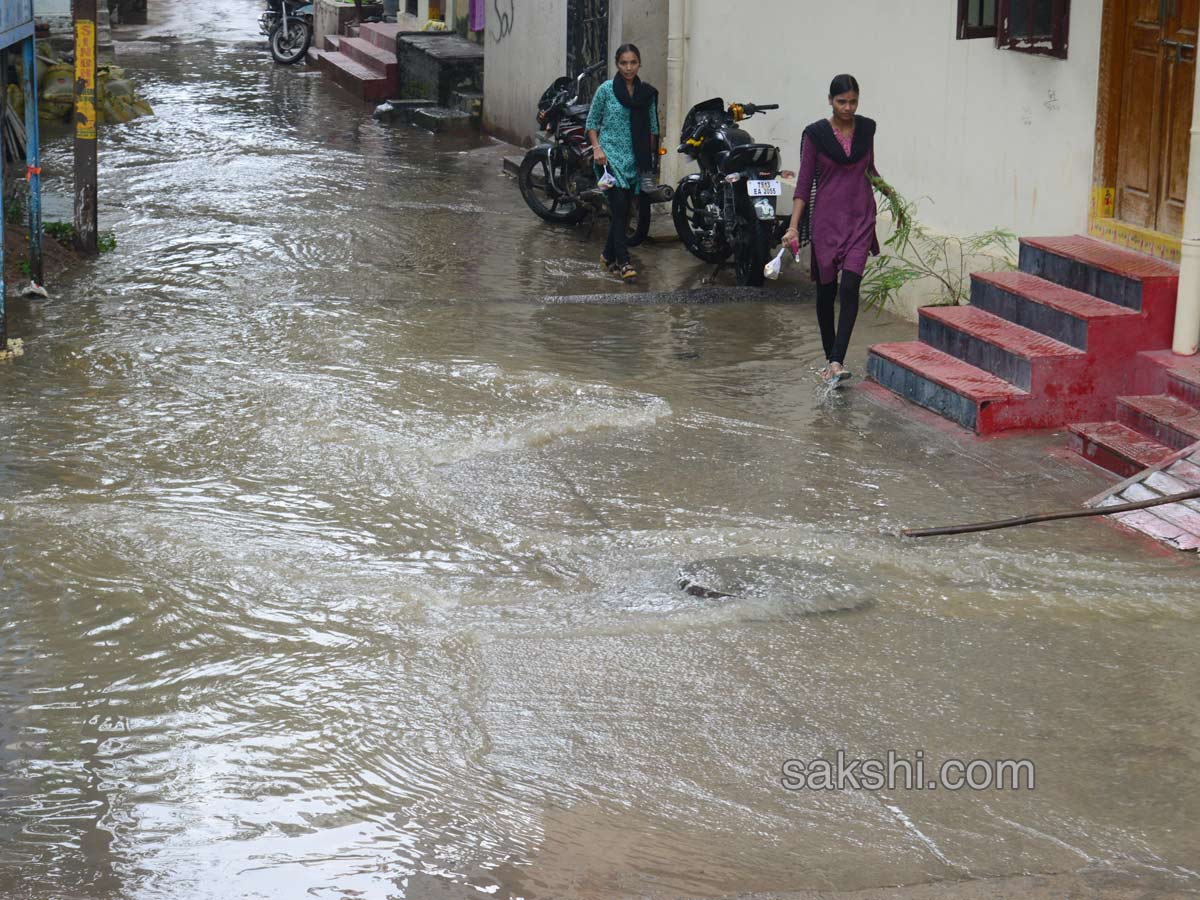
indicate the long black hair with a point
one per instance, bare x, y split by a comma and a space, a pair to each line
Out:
628, 48
841, 84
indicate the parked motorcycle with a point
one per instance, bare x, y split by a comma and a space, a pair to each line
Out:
557, 178
288, 27
728, 207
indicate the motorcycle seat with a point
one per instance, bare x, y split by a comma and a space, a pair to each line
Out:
578, 111
748, 156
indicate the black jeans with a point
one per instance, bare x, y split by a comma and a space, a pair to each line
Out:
836, 341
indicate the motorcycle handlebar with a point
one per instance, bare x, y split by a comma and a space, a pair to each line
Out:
582, 76
752, 108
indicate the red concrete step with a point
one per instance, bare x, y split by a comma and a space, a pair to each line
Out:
333, 43
944, 384
355, 77
1058, 312
1105, 256
381, 62
1165, 418
1019, 355
381, 34
1184, 384
1116, 447
1111, 273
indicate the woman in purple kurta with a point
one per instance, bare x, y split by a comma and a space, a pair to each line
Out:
834, 210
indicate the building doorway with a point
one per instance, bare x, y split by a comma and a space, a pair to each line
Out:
1147, 73
587, 34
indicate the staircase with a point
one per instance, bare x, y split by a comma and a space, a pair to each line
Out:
364, 65
1053, 343
1148, 426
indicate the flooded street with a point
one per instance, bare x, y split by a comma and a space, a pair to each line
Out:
336, 565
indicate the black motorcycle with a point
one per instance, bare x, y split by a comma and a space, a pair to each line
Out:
288, 25
728, 207
557, 178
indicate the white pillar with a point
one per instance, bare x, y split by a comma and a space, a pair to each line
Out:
677, 50
1187, 304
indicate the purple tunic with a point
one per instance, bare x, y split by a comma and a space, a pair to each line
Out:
843, 217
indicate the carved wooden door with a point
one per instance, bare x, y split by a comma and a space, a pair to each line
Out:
1156, 112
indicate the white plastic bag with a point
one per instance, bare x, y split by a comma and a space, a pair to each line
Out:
772, 269
607, 180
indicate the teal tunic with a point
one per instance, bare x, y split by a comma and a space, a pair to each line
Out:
608, 117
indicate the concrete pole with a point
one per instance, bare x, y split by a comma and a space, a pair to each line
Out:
86, 240
3, 114
677, 50
1187, 304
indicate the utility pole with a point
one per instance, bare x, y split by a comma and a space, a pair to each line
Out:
85, 126
33, 165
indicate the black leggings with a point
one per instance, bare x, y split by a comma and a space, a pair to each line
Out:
616, 250
837, 341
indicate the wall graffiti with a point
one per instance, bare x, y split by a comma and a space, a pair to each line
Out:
506, 12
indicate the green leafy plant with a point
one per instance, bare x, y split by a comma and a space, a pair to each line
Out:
913, 253
14, 209
63, 232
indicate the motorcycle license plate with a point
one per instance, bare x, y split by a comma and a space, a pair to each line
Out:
764, 188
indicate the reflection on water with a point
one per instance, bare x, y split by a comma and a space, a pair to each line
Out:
325, 576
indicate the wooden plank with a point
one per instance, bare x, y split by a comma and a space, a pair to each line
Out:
1166, 484
1185, 470
1157, 528
1173, 513
1166, 462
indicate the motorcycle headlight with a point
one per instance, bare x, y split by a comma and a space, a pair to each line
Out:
764, 208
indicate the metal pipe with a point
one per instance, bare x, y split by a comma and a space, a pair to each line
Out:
33, 164
677, 49
1187, 303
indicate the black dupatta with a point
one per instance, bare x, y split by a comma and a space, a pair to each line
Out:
819, 136
639, 117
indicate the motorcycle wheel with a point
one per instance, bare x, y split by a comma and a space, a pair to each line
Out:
289, 46
752, 252
637, 226
541, 197
685, 211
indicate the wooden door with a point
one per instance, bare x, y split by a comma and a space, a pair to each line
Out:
1156, 112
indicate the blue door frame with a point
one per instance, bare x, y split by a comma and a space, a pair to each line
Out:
17, 28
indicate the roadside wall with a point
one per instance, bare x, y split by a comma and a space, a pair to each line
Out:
526, 49
993, 138
644, 23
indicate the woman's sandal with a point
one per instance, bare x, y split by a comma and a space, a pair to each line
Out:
628, 272
607, 264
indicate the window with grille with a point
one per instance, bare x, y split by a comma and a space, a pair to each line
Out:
1034, 26
976, 19
1027, 26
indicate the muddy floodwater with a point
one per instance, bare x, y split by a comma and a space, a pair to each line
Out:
338, 565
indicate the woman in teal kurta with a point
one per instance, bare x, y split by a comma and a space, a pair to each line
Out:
623, 127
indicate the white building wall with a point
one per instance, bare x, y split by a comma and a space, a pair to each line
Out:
994, 138
526, 49
644, 24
